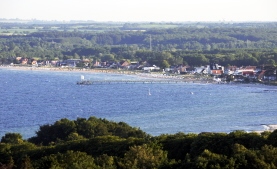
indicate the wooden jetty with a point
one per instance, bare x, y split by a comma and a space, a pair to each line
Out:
90, 82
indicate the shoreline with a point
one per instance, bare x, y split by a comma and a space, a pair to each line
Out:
59, 69
153, 75
189, 79
267, 128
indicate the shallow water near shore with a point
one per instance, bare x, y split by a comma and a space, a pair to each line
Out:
33, 98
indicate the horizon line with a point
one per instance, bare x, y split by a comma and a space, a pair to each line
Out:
90, 20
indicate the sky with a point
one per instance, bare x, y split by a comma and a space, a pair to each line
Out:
140, 10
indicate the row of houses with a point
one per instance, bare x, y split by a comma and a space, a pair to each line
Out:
216, 70
257, 72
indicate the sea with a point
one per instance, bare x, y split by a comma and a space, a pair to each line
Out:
31, 98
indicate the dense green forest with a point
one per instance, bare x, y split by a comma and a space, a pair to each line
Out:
195, 44
99, 143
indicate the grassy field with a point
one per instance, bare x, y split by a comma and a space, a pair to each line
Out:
18, 29
157, 25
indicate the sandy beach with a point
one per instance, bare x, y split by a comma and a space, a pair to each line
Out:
267, 128
63, 69
154, 75
271, 127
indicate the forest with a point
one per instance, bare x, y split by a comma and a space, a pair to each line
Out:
99, 143
195, 44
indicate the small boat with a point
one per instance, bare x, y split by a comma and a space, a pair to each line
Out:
149, 92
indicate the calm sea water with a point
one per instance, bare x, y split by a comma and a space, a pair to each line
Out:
33, 98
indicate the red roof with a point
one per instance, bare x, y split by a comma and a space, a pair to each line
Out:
217, 72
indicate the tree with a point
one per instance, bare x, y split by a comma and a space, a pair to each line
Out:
145, 156
85, 128
13, 138
245, 158
214, 161
175, 60
269, 154
26, 163
105, 161
70, 160
74, 136
9, 165
107, 58
164, 64
64, 130
271, 62
272, 138
60, 130
197, 60
76, 56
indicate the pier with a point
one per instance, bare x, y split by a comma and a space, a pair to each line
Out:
90, 82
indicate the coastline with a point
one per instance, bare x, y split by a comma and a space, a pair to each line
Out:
271, 127
65, 69
190, 79
267, 128
153, 75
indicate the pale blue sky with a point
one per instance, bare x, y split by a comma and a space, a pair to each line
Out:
141, 10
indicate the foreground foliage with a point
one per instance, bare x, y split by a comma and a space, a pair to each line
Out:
99, 143
66, 130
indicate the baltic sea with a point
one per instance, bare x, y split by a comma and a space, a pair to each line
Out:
29, 99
